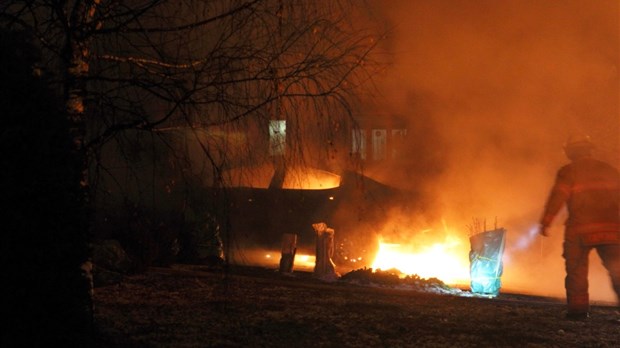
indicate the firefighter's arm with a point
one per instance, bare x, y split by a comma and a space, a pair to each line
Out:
556, 200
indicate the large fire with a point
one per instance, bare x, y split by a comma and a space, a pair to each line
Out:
447, 261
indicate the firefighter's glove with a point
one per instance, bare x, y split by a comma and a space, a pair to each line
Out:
542, 230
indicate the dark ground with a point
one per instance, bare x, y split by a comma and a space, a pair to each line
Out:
194, 306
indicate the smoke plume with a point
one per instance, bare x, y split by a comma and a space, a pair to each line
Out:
491, 90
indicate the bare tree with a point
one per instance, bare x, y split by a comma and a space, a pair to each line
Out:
141, 76
155, 65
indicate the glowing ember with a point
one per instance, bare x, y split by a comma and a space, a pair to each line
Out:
447, 262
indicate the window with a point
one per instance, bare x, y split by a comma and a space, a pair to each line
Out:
379, 144
358, 146
277, 137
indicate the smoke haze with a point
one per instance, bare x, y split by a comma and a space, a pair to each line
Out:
491, 90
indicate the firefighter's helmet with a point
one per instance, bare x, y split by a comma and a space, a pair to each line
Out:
578, 140
578, 145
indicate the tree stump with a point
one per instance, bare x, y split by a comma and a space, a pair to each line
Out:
324, 267
289, 248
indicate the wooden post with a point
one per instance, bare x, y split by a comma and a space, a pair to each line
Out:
289, 248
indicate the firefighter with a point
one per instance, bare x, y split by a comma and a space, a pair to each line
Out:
590, 189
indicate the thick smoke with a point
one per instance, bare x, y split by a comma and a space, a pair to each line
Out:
491, 90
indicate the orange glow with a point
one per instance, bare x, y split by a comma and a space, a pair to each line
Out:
296, 178
447, 261
302, 261
310, 179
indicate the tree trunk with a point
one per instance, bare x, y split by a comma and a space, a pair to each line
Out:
78, 265
289, 248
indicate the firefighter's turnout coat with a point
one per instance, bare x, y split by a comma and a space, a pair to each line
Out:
591, 191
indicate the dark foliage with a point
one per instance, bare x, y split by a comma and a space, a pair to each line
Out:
44, 223
149, 236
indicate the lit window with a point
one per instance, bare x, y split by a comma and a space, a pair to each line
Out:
358, 146
277, 137
379, 144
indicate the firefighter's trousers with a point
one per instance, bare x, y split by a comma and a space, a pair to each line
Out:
576, 262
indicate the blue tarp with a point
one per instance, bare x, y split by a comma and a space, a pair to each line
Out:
485, 257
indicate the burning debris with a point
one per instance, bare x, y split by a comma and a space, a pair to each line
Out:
394, 278
443, 258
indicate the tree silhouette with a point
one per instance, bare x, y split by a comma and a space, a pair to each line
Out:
155, 91
44, 222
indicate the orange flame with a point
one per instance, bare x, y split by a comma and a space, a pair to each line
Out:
448, 261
